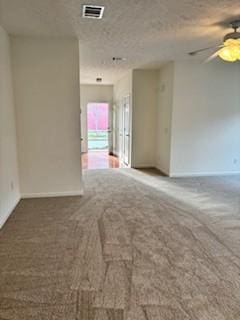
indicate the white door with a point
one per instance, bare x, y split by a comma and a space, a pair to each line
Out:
126, 130
120, 125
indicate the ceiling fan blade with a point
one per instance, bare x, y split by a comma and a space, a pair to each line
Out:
212, 56
193, 53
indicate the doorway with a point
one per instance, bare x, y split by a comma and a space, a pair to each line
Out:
99, 137
98, 126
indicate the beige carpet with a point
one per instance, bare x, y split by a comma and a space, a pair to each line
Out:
125, 251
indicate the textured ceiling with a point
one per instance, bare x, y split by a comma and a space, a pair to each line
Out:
146, 32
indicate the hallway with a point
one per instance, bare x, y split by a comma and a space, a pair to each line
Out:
99, 160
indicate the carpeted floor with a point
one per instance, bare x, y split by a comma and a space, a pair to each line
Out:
125, 251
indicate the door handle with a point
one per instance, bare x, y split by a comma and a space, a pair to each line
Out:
127, 135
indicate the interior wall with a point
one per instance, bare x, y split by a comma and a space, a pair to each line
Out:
122, 88
144, 118
93, 93
46, 83
164, 117
9, 184
206, 118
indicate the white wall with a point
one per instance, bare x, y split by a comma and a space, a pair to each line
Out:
121, 89
206, 118
9, 185
141, 86
46, 81
144, 118
164, 117
92, 93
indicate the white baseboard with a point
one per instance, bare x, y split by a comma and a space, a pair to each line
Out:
203, 174
8, 213
52, 194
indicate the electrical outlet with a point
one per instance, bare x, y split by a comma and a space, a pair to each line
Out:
12, 185
235, 161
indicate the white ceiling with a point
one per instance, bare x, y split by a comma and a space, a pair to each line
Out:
146, 32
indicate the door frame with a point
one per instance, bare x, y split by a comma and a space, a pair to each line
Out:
121, 131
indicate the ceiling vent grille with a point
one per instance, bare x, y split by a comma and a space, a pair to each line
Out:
91, 11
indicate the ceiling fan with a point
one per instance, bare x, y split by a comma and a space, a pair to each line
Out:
229, 50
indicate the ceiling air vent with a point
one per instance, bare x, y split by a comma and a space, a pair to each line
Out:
91, 11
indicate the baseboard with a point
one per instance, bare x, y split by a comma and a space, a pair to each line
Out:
203, 174
37, 195
3, 220
52, 194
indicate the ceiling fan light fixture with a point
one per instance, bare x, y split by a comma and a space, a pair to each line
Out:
231, 50
226, 55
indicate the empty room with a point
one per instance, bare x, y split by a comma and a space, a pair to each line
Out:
119, 160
